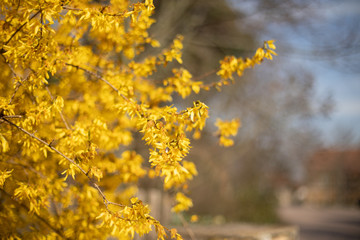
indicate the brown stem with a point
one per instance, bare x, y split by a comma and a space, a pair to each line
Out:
12, 116
71, 8
205, 75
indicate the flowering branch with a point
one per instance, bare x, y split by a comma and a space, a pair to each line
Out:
95, 185
17, 30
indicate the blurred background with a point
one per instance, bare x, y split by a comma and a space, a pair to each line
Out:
299, 144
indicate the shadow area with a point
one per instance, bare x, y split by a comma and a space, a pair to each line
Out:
308, 233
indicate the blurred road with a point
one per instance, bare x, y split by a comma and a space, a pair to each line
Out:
323, 223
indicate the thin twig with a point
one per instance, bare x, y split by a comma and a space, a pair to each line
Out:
71, 8
205, 75
28, 167
13, 116
214, 84
99, 77
60, 112
186, 226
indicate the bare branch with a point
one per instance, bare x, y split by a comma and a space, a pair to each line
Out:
13, 116
71, 8
205, 75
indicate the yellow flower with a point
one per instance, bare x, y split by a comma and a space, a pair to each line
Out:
194, 218
227, 129
183, 203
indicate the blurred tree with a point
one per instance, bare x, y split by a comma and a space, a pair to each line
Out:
275, 107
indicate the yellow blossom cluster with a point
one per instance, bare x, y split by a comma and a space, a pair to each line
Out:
182, 83
73, 98
183, 203
230, 64
227, 129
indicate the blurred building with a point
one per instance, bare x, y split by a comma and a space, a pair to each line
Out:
333, 177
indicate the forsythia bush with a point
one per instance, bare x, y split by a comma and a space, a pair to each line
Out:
72, 95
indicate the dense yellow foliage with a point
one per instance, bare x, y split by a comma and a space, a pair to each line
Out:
71, 96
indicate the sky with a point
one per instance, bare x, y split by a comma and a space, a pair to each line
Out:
334, 31
345, 89
343, 81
